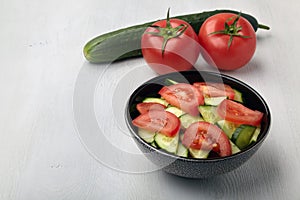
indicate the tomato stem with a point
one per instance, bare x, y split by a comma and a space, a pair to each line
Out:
168, 32
231, 30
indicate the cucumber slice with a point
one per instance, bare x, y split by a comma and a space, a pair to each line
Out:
209, 113
234, 148
170, 82
176, 111
195, 153
238, 96
186, 120
227, 127
213, 101
182, 150
242, 135
169, 144
147, 136
255, 135
156, 100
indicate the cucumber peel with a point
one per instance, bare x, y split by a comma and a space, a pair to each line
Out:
238, 96
242, 135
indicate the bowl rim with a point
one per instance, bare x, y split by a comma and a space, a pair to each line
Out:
200, 160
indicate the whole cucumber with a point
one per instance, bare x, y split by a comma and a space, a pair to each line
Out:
126, 43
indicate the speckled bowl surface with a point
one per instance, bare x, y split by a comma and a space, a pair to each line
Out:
191, 167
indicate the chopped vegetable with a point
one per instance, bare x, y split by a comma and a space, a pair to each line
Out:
183, 96
238, 113
158, 121
214, 131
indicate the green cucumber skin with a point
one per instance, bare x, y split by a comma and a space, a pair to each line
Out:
125, 43
242, 135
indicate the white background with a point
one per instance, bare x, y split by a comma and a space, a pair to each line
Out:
41, 153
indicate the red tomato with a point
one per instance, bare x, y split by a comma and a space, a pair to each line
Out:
158, 121
238, 113
217, 49
183, 96
146, 107
180, 52
215, 89
206, 136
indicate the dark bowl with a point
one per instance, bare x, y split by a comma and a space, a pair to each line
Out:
191, 167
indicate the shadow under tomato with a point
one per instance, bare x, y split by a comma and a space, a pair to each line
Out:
263, 37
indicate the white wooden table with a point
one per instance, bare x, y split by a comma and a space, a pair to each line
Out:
56, 107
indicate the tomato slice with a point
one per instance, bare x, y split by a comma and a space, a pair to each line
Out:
238, 113
206, 136
158, 121
183, 96
146, 107
215, 89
